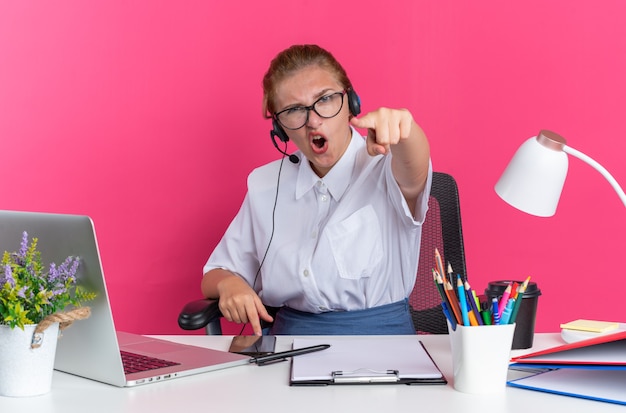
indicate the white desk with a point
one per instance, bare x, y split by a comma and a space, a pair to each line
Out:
266, 389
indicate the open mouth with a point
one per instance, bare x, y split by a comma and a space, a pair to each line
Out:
319, 141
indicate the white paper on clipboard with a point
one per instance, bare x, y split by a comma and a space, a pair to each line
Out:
375, 357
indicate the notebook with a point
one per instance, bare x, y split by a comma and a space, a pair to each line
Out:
92, 348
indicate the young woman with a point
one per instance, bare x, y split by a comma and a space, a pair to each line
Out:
332, 237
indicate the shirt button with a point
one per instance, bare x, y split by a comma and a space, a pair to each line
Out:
314, 234
324, 198
305, 273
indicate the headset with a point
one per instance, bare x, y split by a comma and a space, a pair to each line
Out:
354, 105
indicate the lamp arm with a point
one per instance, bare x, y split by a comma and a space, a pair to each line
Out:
599, 168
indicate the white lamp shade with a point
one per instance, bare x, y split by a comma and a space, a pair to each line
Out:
533, 180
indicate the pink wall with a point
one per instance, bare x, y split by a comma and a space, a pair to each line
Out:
146, 116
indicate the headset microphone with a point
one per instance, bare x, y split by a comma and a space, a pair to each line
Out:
292, 158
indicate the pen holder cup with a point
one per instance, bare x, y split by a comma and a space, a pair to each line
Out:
480, 357
525, 320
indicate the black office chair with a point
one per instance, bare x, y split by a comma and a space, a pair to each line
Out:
442, 230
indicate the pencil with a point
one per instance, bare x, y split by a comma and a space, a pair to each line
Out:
471, 296
445, 304
504, 300
506, 314
514, 289
462, 301
439, 263
518, 302
439, 285
453, 302
449, 316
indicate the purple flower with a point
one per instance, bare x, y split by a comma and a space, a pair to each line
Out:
64, 267
24, 245
60, 276
53, 274
58, 291
8, 275
74, 269
22, 292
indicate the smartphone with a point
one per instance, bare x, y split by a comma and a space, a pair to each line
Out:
253, 345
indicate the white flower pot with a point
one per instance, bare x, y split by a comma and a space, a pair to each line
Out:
26, 371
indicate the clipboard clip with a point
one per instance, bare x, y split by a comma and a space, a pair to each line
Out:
361, 376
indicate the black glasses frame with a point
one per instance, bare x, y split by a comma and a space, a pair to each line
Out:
311, 108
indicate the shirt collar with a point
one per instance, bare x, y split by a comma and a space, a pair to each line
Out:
338, 178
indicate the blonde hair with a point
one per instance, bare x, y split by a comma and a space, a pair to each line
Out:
293, 59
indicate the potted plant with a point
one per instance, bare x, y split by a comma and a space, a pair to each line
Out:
35, 303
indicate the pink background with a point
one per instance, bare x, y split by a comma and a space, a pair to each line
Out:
146, 115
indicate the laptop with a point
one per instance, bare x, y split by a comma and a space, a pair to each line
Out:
92, 348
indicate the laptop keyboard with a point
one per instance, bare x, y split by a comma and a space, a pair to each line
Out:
135, 363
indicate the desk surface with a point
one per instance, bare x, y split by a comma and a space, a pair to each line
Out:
252, 388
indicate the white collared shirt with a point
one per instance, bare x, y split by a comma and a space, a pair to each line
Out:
346, 241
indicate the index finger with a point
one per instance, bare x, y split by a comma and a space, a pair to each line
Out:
260, 313
381, 122
253, 318
367, 121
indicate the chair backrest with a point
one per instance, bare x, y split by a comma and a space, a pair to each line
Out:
442, 230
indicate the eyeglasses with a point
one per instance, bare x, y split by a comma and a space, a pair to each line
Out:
328, 106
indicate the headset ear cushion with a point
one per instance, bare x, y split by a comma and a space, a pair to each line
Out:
354, 103
279, 131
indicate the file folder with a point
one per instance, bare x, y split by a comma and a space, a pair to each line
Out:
592, 369
365, 360
601, 350
605, 385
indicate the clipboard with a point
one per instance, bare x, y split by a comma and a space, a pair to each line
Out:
364, 360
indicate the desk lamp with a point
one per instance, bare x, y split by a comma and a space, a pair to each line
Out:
533, 180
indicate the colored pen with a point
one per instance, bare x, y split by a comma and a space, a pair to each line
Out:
462, 301
270, 358
486, 314
486, 317
494, 311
